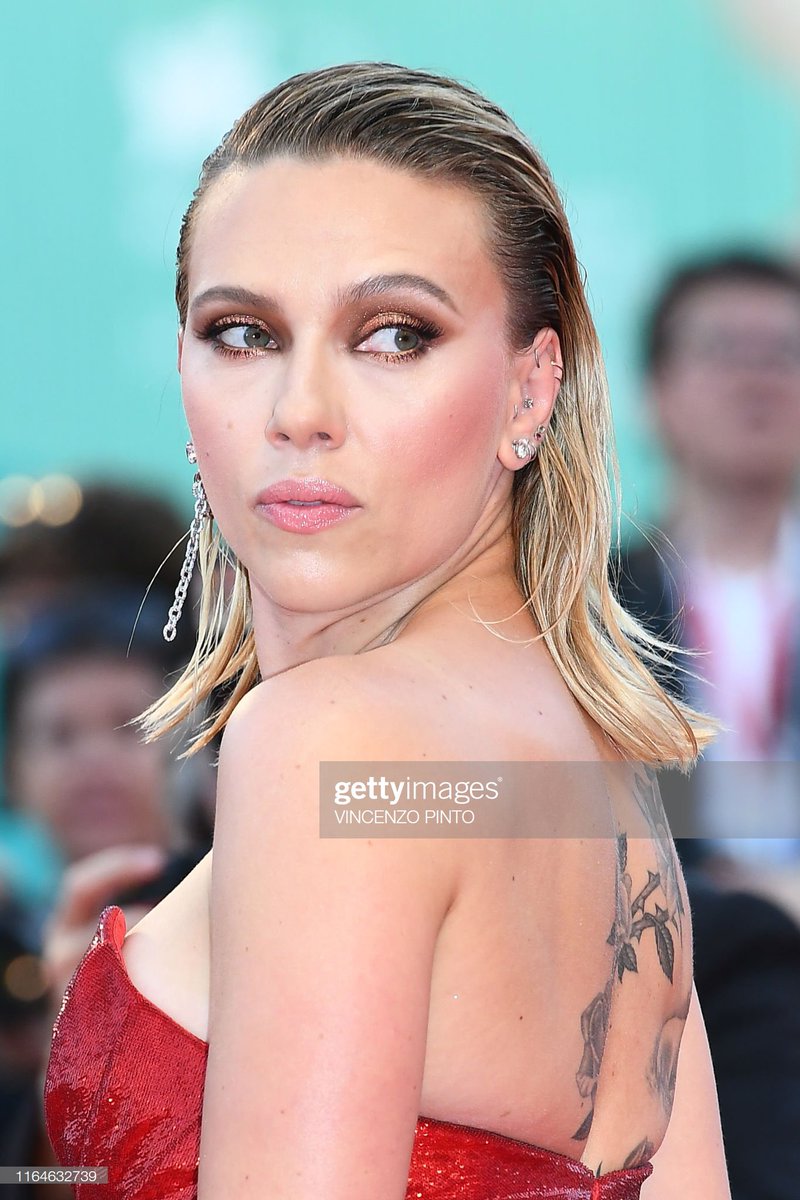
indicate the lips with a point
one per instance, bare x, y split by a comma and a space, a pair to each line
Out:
308, 490
306, 506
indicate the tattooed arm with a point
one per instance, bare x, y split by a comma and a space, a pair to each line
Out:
690, 1162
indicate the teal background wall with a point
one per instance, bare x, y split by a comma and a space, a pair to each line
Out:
668, 127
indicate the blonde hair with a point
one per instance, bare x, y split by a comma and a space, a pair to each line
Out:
443, 130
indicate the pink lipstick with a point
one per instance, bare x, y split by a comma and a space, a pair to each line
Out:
306, 505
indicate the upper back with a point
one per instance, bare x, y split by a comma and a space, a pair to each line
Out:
563, 971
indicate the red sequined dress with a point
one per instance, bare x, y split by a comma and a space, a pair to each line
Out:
124, 1089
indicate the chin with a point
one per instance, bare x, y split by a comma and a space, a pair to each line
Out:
309, 592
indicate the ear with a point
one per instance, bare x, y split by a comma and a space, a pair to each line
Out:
180, 346
537, 380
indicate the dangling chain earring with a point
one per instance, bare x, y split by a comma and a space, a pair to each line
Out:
201, 512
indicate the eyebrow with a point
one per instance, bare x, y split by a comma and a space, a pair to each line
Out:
374, 285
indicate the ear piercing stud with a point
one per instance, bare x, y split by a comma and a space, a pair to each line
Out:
528, 447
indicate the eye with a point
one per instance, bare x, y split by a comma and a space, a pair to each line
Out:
399, 339
392, 339
244, 337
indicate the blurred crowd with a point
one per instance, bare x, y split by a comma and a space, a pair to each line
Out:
92, 815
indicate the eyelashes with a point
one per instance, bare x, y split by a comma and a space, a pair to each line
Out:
425, 331
213, 330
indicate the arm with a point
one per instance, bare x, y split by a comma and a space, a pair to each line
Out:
321, 960
690, 1162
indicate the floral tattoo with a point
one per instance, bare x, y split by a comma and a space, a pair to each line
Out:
637, 916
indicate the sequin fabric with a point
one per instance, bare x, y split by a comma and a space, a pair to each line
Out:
124, 1089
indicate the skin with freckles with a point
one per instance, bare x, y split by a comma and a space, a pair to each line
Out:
423, 442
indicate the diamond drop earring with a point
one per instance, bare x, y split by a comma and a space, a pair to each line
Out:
201, 513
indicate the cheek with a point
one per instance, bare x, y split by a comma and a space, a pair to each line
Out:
204, 411
220, 440
459, 413
444, 455
455, 442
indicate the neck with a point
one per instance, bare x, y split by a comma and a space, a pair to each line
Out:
483, 568
729, 524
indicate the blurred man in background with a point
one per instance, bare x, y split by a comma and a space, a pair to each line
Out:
722, 380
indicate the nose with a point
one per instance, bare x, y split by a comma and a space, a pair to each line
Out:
306, 413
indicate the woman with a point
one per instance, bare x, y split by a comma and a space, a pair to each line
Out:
400, 419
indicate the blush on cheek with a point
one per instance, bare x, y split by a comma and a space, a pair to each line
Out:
445, 466
463, 438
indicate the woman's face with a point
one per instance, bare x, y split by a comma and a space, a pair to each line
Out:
368, 351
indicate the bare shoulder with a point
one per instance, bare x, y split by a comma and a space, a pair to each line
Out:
371, 702
316, 1000
328, 711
